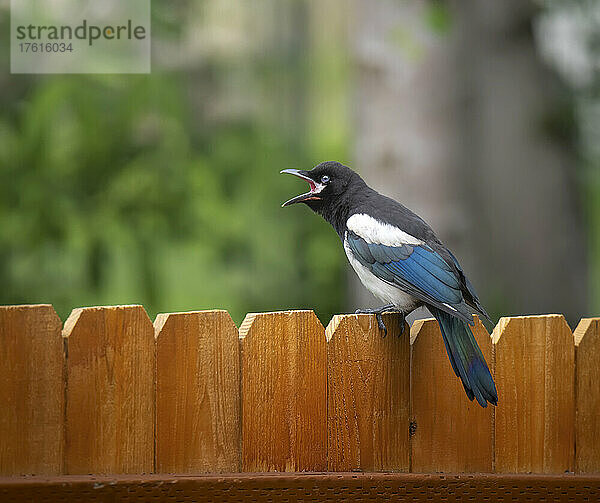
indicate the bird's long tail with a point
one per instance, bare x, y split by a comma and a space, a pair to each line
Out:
466, 358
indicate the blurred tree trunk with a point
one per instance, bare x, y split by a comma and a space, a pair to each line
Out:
452, 115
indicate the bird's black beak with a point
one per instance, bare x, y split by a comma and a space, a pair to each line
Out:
312, 195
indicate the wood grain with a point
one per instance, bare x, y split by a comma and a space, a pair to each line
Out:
451, 433
110, 390
535, 376
587, 393
197, 393
31, 391
284, 392
368, 394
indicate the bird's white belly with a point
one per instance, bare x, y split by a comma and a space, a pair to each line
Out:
388, 293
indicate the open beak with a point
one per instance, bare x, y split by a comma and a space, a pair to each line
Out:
315, 187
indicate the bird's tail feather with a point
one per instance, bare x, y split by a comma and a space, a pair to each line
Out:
466, 358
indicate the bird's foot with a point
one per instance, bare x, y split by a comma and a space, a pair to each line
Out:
378, 312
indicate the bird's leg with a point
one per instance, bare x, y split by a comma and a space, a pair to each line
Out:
378, 316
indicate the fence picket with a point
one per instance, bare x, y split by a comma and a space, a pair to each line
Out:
284, 392
587, 393
368, 394
535, 376
197, 393
110, 390
31, 391
451, 434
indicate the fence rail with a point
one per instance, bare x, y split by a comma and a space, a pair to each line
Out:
111, 393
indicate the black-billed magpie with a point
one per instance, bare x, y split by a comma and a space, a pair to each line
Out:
400, 260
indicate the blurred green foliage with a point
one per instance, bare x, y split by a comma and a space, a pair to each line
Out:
438, 17
107, 196
120, 189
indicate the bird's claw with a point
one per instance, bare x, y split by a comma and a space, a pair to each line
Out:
402, 324
378, 316
381, 324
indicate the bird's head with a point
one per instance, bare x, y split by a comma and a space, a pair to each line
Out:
328, 181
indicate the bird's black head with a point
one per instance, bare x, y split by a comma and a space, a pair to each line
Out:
331, 184
328, 181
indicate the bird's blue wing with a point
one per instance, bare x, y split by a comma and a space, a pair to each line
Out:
415, 269
474, 298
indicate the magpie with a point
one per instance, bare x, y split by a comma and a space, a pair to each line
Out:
399, 259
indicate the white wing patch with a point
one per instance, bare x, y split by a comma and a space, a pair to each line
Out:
376, 232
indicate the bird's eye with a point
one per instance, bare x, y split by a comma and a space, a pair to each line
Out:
324, 179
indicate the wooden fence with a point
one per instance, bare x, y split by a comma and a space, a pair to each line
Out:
112, 393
